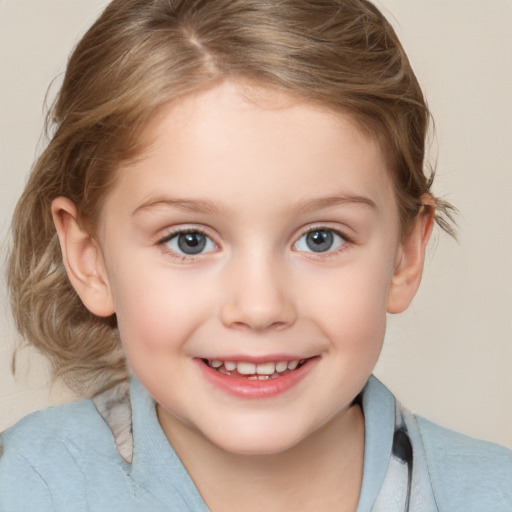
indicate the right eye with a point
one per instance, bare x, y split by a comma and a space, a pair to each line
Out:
189, 243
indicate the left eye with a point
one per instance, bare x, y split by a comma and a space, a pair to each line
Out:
190, 243
319, 240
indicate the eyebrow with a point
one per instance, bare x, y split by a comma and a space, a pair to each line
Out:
188, 205
209, 207
310, 205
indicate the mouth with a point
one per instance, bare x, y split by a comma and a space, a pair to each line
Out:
252, 379
255, 371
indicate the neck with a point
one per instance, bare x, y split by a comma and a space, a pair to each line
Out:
323, 472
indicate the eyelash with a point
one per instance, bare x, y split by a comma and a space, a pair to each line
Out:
345, 245
182, 257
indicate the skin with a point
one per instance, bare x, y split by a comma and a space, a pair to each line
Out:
255, 170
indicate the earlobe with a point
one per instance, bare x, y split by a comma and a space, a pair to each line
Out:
82, 258
410, 258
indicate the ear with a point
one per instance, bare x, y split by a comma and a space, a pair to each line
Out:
83, 259
410, 258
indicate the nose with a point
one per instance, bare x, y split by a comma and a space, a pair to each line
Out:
257, 296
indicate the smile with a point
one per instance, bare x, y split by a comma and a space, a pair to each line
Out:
255, 371
256, 380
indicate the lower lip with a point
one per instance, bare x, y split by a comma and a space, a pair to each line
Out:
244, 388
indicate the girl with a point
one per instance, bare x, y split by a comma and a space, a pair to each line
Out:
233, 198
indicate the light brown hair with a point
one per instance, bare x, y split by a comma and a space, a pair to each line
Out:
142, 54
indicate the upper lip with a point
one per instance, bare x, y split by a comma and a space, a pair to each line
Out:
258, 359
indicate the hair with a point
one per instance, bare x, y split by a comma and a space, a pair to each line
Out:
142, 54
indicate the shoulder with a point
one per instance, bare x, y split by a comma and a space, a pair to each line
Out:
76, 424
466, 473
49, 450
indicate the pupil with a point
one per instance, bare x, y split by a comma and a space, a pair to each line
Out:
319, 241
191, 243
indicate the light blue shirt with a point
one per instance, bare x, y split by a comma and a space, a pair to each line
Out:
65, 459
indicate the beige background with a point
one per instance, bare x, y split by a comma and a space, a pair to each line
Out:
450, 356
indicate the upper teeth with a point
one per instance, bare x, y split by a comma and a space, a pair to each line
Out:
245, 368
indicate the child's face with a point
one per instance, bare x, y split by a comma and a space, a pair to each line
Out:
291, 254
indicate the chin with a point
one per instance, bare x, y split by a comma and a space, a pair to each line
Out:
256, 440
255, 448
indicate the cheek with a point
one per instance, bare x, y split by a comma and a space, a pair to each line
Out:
352, 304
155, 308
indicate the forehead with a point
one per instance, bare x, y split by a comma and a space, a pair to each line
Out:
251, 145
